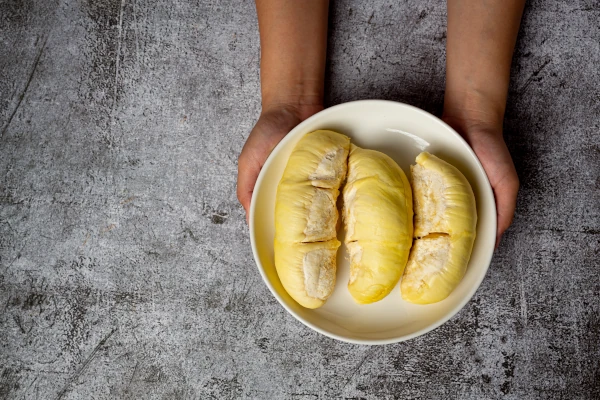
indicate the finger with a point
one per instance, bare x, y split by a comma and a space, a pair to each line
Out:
252, 158
506, 201
248, 170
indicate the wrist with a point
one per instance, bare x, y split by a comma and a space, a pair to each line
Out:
304, 97
289, 112
470, 109
301, 98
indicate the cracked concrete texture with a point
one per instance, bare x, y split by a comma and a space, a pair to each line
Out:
125, 264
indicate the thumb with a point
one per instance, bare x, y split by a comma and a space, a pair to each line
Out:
248, 170
505, 193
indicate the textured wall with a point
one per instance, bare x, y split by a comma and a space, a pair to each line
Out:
125, 263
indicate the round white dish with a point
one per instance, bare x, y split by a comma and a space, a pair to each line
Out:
402, 132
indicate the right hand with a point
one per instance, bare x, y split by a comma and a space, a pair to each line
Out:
274, 123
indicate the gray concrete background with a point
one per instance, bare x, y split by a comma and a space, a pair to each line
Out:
125, 263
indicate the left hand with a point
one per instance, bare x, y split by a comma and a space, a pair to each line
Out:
488, 144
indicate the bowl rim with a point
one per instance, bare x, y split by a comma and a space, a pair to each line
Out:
427, 329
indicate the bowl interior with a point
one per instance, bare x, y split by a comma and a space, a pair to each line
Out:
402, 132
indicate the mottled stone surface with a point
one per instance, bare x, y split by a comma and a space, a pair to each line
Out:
125, 263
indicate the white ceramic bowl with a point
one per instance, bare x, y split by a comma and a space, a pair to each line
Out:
402, 132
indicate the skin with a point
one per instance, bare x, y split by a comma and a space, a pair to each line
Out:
481, 39
292, 73
480, 44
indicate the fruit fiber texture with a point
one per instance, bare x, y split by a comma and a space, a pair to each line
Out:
306, 217
444, 230
378, 218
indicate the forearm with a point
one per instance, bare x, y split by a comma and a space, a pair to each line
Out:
480, 44
293, 36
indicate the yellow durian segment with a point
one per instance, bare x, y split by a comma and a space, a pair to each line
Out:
307, 270
378, 219
443, 199
306, 216
304, 213
445, 229
375, 268
378, 212
436, 265
320, 158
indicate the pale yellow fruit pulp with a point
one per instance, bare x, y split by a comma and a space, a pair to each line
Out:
378, 218
306, 217
444, 230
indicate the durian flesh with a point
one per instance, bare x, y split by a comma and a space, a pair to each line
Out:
378, 220
444, 229
306, 217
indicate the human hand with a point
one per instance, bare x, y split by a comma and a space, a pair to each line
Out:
293, 40
486, 141
479, 48
272, 125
